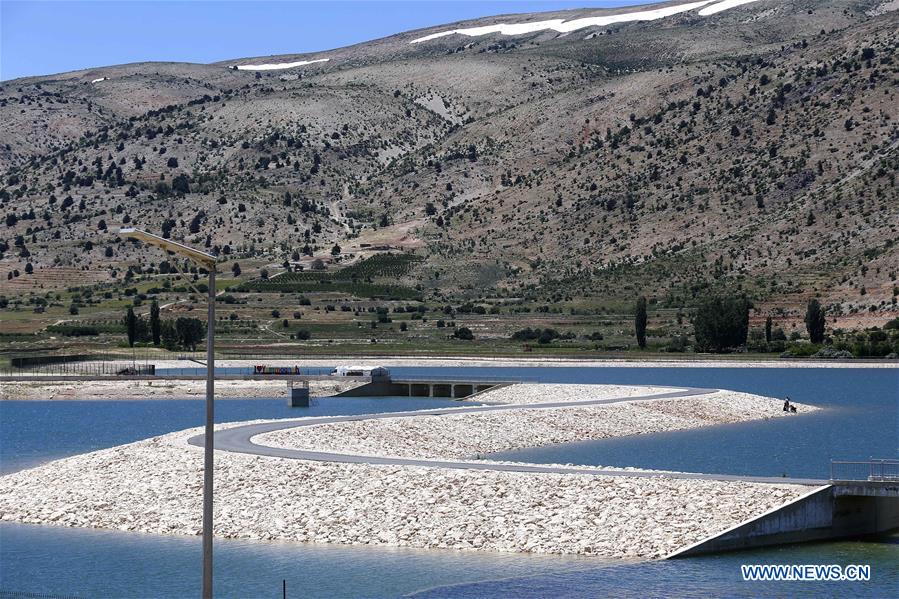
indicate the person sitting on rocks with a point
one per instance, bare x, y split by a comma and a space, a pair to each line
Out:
792, 408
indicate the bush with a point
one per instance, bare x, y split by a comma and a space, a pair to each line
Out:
677, 344
543, 336
832, 353
74, 330
463, 333
802, 350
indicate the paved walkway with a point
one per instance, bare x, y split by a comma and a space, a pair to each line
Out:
239, 440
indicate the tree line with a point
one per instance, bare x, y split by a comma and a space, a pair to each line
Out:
721, 323
184, 333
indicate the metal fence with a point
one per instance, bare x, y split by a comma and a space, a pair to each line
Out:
100, 364
868, 470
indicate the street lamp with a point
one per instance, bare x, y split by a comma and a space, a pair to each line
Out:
206, 261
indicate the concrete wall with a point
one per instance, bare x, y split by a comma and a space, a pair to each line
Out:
418, 389
298, 397
376, 389
819, 515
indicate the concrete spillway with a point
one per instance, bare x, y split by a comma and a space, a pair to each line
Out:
456, 389
840, 510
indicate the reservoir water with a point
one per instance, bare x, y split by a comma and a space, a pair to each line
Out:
860, 420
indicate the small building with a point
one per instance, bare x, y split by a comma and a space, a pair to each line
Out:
375, 372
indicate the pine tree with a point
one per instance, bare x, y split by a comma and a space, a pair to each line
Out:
640, 322
155, 325
131, 326
815, 321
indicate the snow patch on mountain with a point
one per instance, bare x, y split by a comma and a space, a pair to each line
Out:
724, 5
279, 65
884, 8
562, 26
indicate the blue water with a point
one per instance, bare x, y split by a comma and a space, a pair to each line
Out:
860, 420
99, 563
703, 577
32, 432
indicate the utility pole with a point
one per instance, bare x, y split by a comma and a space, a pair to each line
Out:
206, 261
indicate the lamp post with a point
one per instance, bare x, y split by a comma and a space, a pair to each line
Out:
207, 261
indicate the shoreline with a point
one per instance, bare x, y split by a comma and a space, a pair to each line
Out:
161, 390
229, 389
466, 435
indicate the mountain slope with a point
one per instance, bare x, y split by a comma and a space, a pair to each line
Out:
753, 149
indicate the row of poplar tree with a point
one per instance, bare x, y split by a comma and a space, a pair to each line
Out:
182, 332
721, 323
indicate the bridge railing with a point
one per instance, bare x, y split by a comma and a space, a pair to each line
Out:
865, 470
450, 378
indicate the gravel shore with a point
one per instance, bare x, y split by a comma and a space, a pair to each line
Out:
155, 486
130, 390
532, 393
471, 435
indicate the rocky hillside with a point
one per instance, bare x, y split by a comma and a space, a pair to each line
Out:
750, 147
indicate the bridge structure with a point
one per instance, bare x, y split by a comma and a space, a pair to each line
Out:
861, 499
297, 384
462, 388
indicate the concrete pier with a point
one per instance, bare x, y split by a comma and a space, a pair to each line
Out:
451, 389
841, 510
298, 394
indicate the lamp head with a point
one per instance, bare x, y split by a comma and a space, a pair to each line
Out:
201, 258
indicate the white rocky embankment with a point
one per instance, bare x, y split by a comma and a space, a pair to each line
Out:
533, 393
161, 389
155, 486
469, 435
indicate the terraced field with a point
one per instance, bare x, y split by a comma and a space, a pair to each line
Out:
357, 280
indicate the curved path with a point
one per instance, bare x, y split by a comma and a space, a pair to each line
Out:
239, 440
